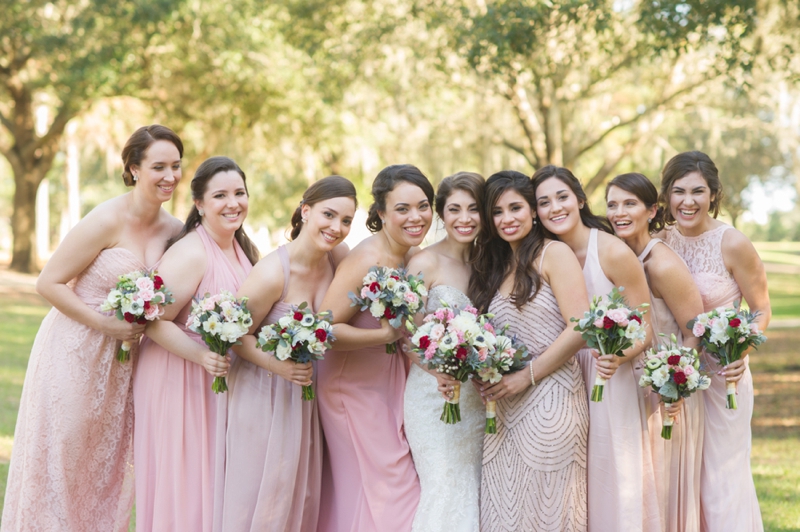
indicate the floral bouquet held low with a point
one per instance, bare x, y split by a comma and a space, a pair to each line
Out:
220, 319
727, 333
139, 297
611, 327
392, 294
672, 371
301, 336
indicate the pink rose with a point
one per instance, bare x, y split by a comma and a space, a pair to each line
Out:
598, 323
146, 294
437, 331
364, 292
688, 370
411, 298
698, 330
619, 315
483, 353
741, 340
152, 312
144, 283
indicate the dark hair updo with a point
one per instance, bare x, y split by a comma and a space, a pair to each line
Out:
386, 180
205, 172
645, 190
563, 174
686, 163
469, 182
333, 186
137, 145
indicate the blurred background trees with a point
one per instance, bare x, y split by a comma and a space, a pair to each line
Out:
298, 89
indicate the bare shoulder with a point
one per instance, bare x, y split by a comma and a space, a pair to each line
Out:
612, 248
662, 261
557, 252
426, 260
361, 257
173, 225
734, 241
340, 252
188, 249
269, 271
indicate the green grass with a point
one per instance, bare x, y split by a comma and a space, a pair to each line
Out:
784, 295
787, 247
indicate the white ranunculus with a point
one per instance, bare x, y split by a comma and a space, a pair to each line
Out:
231, 332
377, 308
660, 376
634, 331
283, 351
284, 321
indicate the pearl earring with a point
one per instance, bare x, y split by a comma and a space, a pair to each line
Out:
649, 220
303, 220
135, 178
201, 212
534, 221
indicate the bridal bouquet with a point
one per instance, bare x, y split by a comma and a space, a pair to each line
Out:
611, 327
220, 320
727, 333
507, 356
455, 343
138, 297
300, 335
392, 294
672, 371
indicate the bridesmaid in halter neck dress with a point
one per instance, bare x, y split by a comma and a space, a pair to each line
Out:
70, 467
272, 455
622, 488
178, 416
726, 268
632, 209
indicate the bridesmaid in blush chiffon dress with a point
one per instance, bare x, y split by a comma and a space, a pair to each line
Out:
273, 447
368, 480
726, 268
70, 467
178, 416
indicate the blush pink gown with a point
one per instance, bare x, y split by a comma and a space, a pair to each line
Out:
728, 498
273, 451
177, 419
71, 468
621, 481
369, 483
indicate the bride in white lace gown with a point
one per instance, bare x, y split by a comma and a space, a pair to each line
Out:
447, 457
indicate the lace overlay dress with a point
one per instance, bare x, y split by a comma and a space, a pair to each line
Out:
447, 457
727, 494
534, 468
71, 468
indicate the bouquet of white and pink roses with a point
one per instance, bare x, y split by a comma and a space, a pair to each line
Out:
727, 333
300, 335
220, 319
672, 371
392, 294
611, 327
138, 297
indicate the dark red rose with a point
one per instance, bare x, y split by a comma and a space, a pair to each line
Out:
735, 322
674, 360
130, 318
321, 334
158, 282
396, 278
374, 287
283, 330
636, 318
461, 353
608, 322
424, 342
388, 314
141, 320
298, 316
679, 377
147, 305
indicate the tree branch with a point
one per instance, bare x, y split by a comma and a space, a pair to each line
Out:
534, 162
7, 123
527, 119
609, 164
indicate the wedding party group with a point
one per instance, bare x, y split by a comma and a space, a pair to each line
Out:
540, 368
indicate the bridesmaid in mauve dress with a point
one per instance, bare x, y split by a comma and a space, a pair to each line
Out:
368, 479
534, 468
632, 203
273, 447
70, 467
622, 486
177, 417
725, 267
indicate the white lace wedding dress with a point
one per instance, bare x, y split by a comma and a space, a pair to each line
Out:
447, 457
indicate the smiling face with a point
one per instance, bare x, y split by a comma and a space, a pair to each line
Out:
461, 217
557, 206
689, 202
328, 222
408, 214
627, 213
512, 217
224, 203
160, 171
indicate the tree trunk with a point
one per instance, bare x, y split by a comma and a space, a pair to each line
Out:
23, 222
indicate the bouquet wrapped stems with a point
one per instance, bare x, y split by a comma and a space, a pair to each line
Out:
220, 384
308, 393
452, 411
123, 355
599, 382
491, 414
730, 389
666, 429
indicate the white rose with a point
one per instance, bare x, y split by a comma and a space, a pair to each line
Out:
660, 376
377, 308
285, 321
231, 332
283, 351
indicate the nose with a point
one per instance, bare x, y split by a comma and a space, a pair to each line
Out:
336, 225
415, 215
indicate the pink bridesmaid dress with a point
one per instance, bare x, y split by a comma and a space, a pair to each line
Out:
178, 418
369, 483
70, 468
677, 461
621, 483
727, 494
273, 451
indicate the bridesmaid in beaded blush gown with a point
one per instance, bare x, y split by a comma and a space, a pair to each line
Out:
70, 467
726, 268
632, 209
534, 468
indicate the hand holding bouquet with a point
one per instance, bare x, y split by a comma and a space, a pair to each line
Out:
301, 336
392, 294
611, 327
138, 297
672, 371
727, 333
220, 320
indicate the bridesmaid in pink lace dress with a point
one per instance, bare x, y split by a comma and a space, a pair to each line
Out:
622, 488
273, 451
177, 418
368, 479
726, 268
632, 203
70, 468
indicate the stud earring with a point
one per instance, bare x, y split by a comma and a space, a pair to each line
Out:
649, 220
135, 178
303, 220
201, 212
534, 221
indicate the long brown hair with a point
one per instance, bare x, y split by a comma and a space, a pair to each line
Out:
205, 172
137, 145
645, 190
333, 186
686, 163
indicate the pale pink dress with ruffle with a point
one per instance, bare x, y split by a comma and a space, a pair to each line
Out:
622, 488
728, 498
71, 467
179, 418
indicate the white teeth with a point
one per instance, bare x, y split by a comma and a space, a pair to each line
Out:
465, 230
413, 230
509, 230
328, 237
558, 218
688, 213
231, 216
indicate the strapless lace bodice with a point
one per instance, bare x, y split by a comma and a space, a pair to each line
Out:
452, 297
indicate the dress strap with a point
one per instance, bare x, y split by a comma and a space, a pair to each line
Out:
648, 248
541, 257
283, 254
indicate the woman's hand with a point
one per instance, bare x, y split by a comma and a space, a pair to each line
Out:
291, 371
390, 333
445, 384
510, 384
674, 409
121, 330
734, 371
607, 364
213, 363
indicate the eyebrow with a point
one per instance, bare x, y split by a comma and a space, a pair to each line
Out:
556, 194
223, 190
334, 211
161, 162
